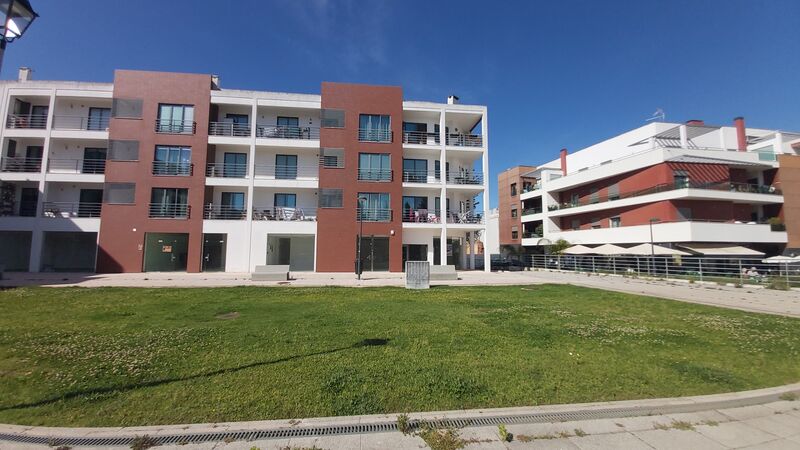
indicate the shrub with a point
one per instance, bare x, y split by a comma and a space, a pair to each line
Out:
403, 424
441, 439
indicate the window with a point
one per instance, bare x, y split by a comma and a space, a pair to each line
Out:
123, 150
613, 192
575, 199
172, 161
593, 196
576, 224
685, 213
513, 189
374, 128
169, 203
126, 108
98, 119
681, 179
596, 223
285, 200
330, 198
285, 167
119, 193
514, 233
415, 133
232, 205
332, 118
415, 209
374, 207
234, 165
374, 167
288, 127
177, 119
332, 158
514, 213
415, 170
615, 222
94, 160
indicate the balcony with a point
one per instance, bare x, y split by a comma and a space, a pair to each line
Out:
725, 186
35, 121
229, 129
168, 126
435, 216
21, 165
69, 210
174, 169
531, 188
169, 211
374, 135
286, 132
222, 170
279, 172
531, 235
224, 212
84, 166
284, 213
465, 177
420, 138
373, 215
464, 140
529, 211
80, 123
422, 176
375, 175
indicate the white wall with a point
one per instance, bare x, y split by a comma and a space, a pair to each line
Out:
78, 107
420, 237
491, 241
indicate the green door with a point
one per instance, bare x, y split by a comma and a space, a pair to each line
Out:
165, 252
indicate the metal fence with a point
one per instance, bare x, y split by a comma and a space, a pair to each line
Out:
691, 268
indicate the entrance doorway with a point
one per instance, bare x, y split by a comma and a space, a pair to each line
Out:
165, 252
453, 252
90, 200
295, 251
214, 248
374, 253
414, 252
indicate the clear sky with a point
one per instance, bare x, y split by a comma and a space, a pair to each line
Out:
553, 74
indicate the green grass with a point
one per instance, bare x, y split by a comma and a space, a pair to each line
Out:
115, 356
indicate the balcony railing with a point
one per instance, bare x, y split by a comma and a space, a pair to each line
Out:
170, 211
224, 212
80, 123
175, 126
284, 213
421, 176
530, 234
21, 165
175, 169
465, 177
38, 121
87, 166
222, 170
468, 217
464, 140
531, 187
286, 132
280, 172
420, 138
67, 210
529, 211
229, 129
374, 215
712, 186
435, 216
375, 174
374, 135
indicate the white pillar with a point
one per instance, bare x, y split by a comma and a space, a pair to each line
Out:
443, 195
251, 165
485, 132
37, 238
472, 250
722, 138
778, 146
684, 138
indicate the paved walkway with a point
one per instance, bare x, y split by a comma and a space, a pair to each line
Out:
711, 422
749, 298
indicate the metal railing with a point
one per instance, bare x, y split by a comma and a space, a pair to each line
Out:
529, 211
420, 138
373, 215
229, 129
465, 177
87, 123
737, 271
467, 217
38, 121
286, 132
464, 140
726, 186
284, 213
224, 212
170, 211
374, 135
66, 210
280, 172
222, 170
422, 215
531, 187
530, 234
175, 126
176, 169
87, 166
21, 165
422, 176
375, 175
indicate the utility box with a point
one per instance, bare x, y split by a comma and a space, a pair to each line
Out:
418, 275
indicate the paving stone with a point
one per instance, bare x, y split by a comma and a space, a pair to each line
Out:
735, 434
346, 442
778, 444
383, 441
543, 444
677, 440
610, 441
781, 425
747, 412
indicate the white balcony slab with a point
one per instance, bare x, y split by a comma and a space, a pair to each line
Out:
227, 181
287, 184
76, 177
80, 134
230, 140
675, 232
288, 143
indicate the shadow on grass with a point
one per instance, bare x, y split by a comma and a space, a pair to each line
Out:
372, 342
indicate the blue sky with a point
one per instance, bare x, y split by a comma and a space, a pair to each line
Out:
553, 74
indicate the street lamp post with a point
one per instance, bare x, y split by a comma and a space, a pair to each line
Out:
18, 16
652, 246
360, 233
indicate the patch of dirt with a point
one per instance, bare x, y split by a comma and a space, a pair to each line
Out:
228, 316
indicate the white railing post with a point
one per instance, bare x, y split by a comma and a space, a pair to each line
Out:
638, 272
700, 266
666, 266
741, 274
614, 265
594, 269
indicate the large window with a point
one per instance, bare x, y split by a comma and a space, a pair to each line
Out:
415, 209
374, 207
615, 222
172, 161
234, 165
285, 167
513, 189
415, 170
374, 167
681, 179
232, 205
285, 200
374, 128
175, 119
288, 127
169, 202
98, 119
330, 198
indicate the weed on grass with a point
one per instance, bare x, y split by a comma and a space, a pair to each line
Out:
789, 396
579, 432
143, 443
404, 424
441, 438
675, 425
505, 436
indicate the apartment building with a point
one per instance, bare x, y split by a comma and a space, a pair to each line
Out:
171, 172
707, 189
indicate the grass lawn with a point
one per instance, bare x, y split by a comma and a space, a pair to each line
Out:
117, 356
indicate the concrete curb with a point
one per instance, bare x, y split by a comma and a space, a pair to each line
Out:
475, 417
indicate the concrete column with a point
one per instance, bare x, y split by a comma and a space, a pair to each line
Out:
485, 132
46, 156
443, 194
722, 139
251, 166
778, 145
37, 243
472, 250
684, 138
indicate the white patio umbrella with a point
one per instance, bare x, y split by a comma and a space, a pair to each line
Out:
610, 250
780, 259
658, 250
579, 250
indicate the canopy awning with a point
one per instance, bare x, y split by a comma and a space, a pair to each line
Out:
721, 250
780, 259
579, 250
610, 249
658, 250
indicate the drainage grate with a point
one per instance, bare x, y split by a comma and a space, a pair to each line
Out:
333, 430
